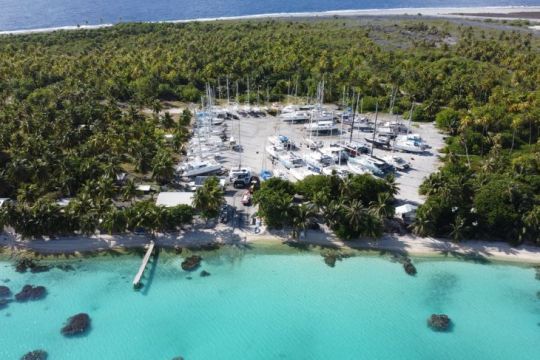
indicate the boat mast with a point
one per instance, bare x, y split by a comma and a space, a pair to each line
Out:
410, 118
228, 95
354, 109
240, 149
199, 127
393, 99
248, 99
289, 91
209, 105
375, 128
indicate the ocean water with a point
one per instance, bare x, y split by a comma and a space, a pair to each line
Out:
284, 305
37, 14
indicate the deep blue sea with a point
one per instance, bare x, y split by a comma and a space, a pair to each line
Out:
38, 14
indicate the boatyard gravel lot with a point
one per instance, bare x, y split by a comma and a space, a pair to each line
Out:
253, 132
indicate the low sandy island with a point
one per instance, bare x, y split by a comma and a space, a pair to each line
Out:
496, 12
406, 244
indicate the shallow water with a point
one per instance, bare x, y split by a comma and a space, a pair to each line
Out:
35, 14
277, 305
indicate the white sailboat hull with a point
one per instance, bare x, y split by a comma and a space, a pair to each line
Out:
408, 147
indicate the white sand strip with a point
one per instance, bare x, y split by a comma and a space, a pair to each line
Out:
408, 244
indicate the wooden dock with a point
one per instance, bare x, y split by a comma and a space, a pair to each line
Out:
138, 276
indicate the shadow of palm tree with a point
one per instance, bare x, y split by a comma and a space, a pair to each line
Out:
302, 246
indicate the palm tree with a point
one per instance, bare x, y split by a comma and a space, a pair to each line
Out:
27, 193
432, 184
209, 198
114, 221
129, 190
320, 199
82, 209
145, 214
372, 226
167, 121
303, 214
185, 118
332, 213
163, 167
156, 107
423, 224
355, 212
105, 186
158, 216
393, 188
102, 205
4, 217
382, 208
180, 137
457, 228
531, 221
112, 169
346, 186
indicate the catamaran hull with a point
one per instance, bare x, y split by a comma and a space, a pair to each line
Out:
203, 171
408, 149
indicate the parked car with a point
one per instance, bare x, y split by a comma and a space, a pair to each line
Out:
398, 162
356, 148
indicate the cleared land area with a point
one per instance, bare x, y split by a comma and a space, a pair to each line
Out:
253, 135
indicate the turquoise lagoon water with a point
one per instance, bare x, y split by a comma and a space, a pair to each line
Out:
284, 305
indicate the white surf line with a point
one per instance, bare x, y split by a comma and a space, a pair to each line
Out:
436, 12
52, 29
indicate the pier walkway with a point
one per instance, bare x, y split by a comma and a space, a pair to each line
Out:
138, 276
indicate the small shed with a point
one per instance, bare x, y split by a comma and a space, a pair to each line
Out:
144, 188
3, 201
174, 198
63, 202
406, 212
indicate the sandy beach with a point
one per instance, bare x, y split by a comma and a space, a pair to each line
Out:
496, 12
224, 235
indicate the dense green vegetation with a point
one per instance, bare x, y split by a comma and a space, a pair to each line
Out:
46, 218
495, 198
143, 62
489, 187
209, 198
355, 206
70, 109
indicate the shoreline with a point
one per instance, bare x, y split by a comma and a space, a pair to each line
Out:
199, 239
442, 12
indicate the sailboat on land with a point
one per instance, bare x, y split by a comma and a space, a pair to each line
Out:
205, 145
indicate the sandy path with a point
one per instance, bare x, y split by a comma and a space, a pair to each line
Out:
408, 244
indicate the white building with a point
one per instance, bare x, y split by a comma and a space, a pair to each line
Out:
406, 212
171, 199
